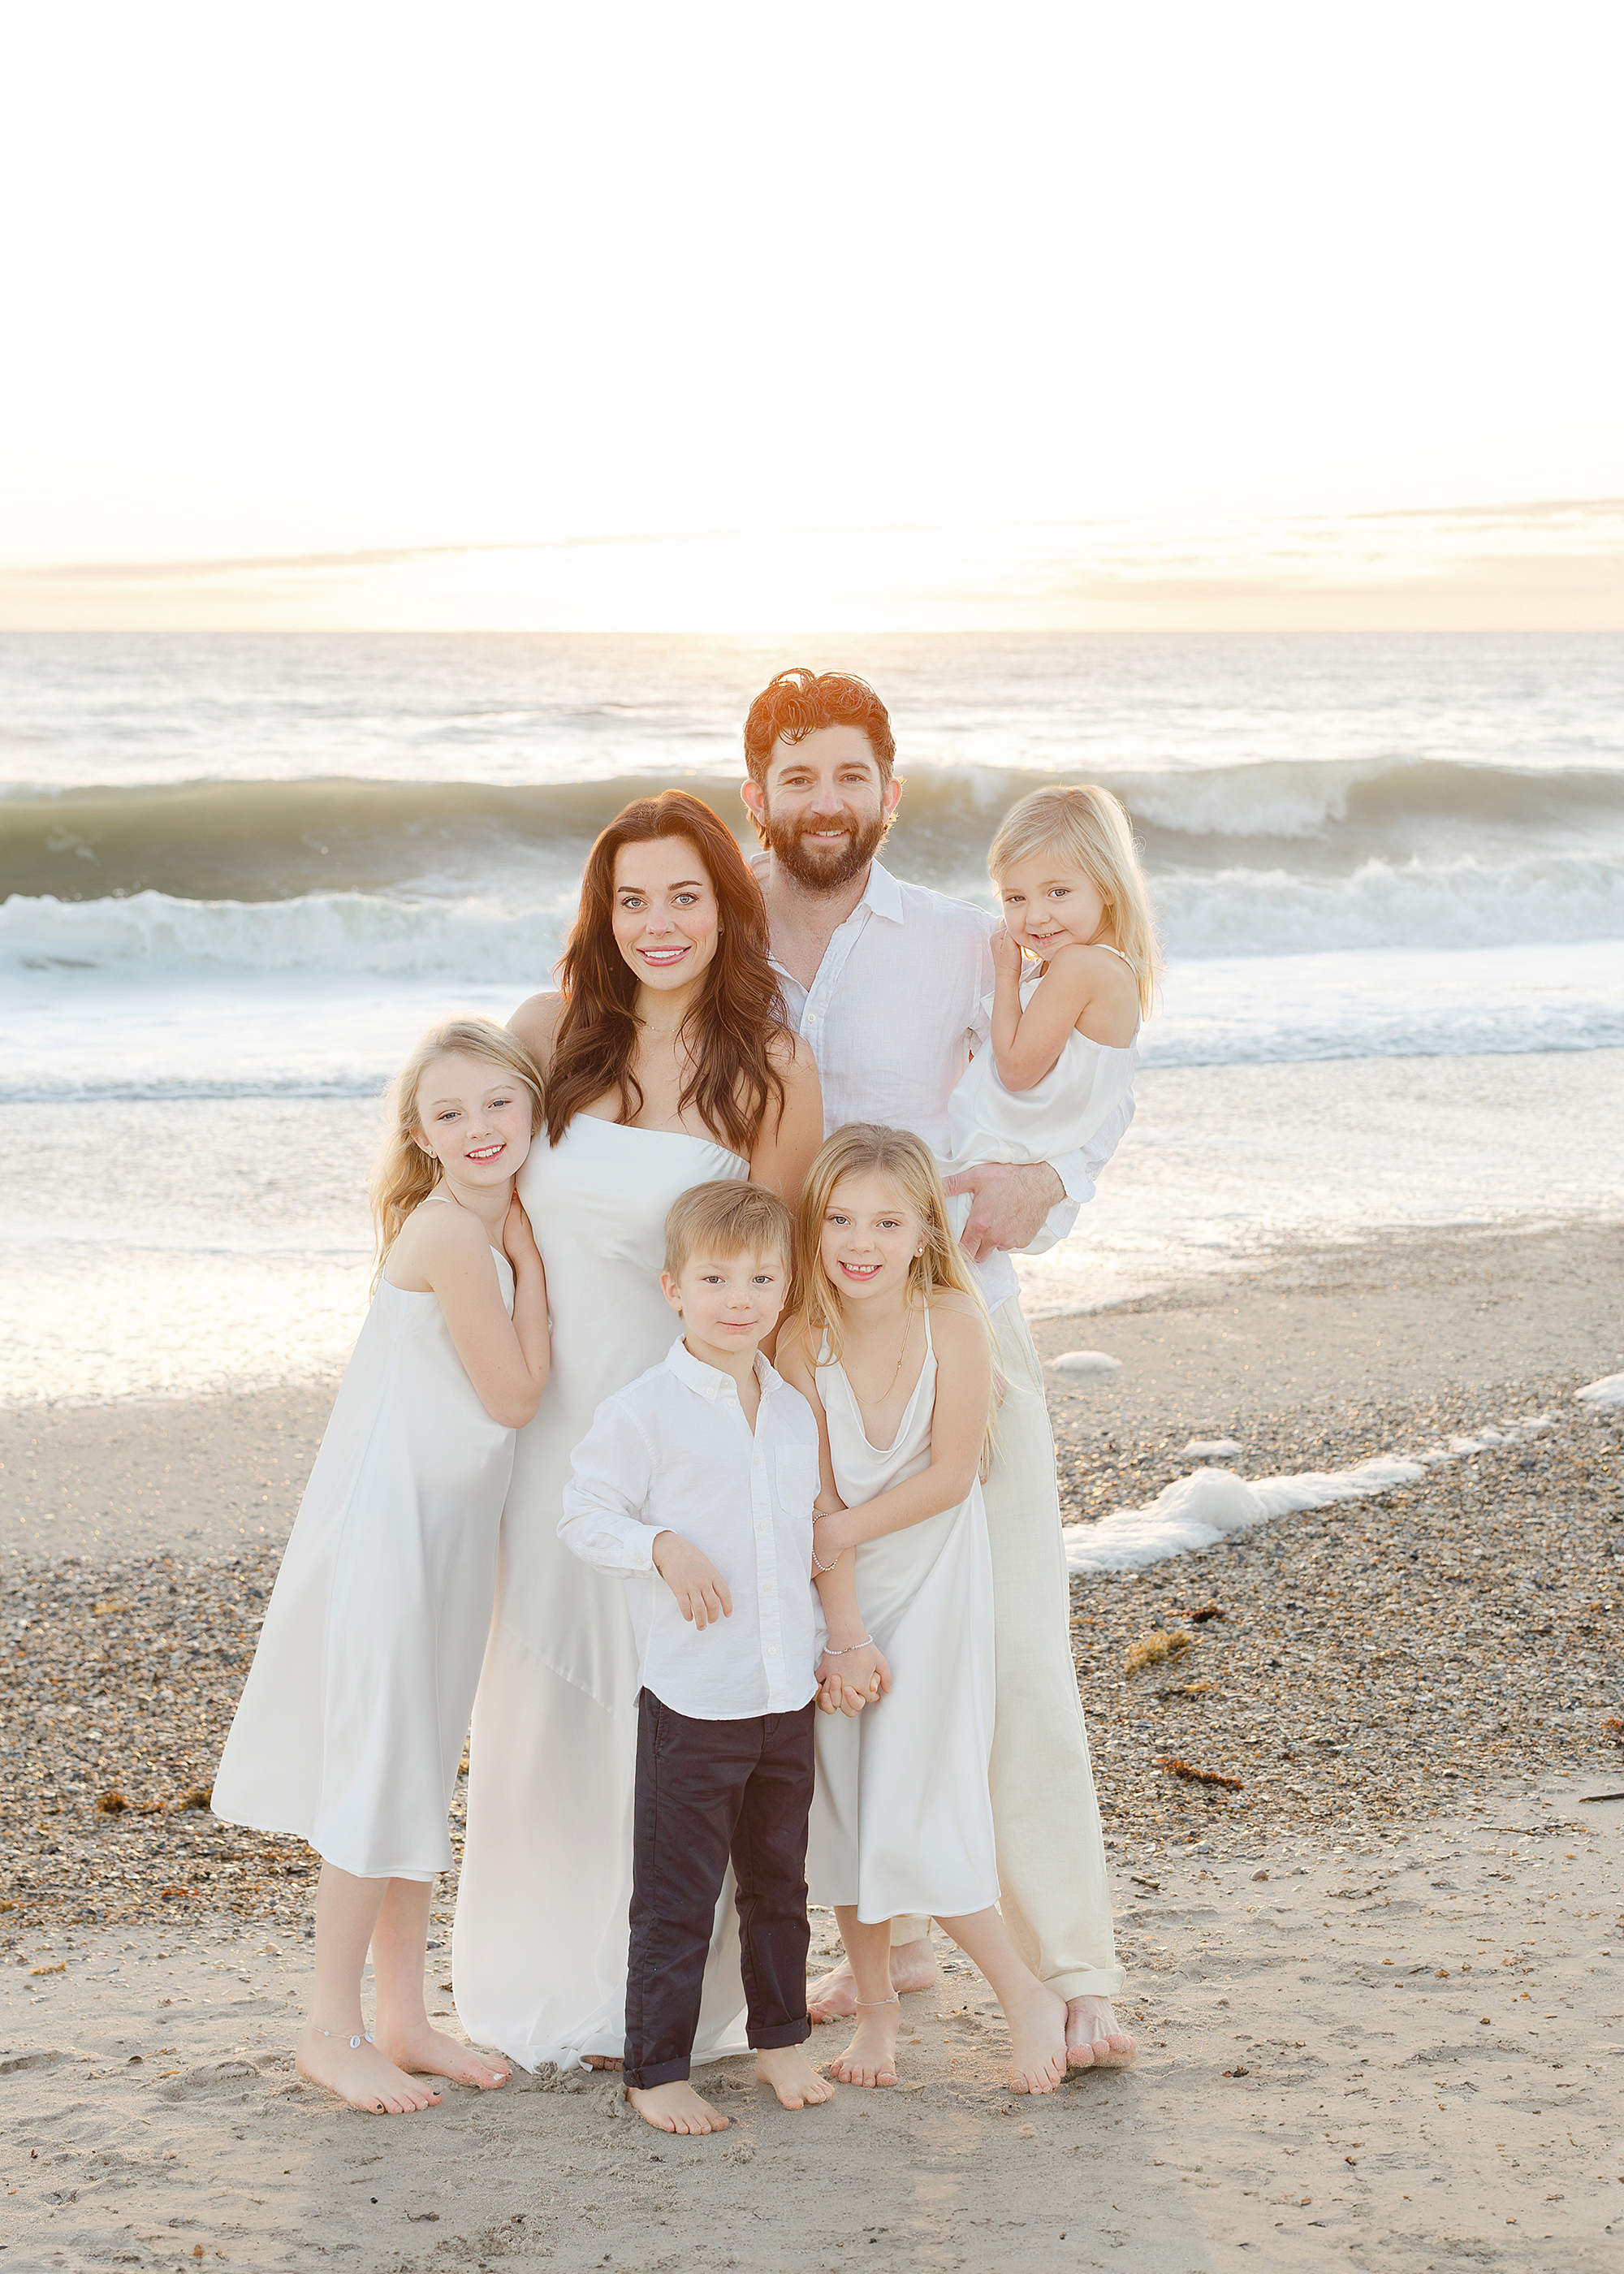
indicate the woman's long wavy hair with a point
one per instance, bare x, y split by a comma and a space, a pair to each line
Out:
731, 1028
865, 1148
403, 1173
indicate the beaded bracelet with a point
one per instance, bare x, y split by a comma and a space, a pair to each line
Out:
849, 1648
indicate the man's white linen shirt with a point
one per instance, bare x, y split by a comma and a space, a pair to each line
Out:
672, 1452
898, 1007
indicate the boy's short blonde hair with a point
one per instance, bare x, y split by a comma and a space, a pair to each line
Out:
726, 1219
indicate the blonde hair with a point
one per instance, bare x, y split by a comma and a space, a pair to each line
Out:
403, 1175
726, 1219
865, 1148
1088, 826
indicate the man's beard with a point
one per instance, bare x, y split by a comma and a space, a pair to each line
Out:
825, 870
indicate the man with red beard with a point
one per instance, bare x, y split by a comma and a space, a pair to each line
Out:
887, 982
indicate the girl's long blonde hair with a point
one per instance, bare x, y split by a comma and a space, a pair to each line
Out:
1089, 828
865, 1148
403, 1175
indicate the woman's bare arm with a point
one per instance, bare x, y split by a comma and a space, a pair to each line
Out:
535, 1022
786, 1142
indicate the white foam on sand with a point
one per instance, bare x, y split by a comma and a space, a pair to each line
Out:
1608, 1391
1209, 1503
1210, 1449
1085, 1363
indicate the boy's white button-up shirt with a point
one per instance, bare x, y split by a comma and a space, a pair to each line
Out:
899, 1004
672, 1452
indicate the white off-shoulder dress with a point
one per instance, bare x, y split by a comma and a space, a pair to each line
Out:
902, 1816
1073, 1102
350, 1729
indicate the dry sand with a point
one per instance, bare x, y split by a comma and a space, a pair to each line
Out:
1403, 2048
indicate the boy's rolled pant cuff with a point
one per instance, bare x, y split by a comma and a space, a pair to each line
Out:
781, 2033
644, 2079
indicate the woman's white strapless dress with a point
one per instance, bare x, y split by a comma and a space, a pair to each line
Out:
1074, 1100
539, 1953
902, 1817
349, 1731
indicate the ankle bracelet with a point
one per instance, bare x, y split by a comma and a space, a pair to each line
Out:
894, 1999
355, 2043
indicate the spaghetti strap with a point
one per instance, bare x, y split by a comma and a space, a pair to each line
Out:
1117, 952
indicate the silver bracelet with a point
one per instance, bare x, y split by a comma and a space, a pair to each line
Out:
850, 1647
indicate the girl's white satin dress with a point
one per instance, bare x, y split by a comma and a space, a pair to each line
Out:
902, 1816
349, 1731
539, 1953
1074, 1100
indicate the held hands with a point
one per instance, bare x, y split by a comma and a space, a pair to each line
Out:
701, 1590
849, 1680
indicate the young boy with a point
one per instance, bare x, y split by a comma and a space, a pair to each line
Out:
697, 1483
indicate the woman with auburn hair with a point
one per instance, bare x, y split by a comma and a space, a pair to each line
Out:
668, 1064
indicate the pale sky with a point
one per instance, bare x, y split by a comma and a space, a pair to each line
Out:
314, 280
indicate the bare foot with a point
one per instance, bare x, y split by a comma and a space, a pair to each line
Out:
675, 2108
912, 1967
424, 2051
355, 2070
1037, 2021
871, 2057
602, 2060
791, 2076
1093, 2038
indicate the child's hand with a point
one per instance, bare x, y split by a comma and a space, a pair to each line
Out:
1006, 956
701, 1590
518, 1240
852, 1679
829, 1543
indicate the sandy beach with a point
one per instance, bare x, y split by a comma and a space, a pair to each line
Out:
1375, 1980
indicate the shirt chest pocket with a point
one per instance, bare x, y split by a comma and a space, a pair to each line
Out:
798, 1480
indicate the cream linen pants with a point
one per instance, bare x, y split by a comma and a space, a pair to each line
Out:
1051, 1856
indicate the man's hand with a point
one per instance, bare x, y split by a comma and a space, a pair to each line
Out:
701, 1590
1011, 1203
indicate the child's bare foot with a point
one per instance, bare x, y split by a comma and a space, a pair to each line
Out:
602, 2060
1037, 2021
912, 1967
1094, 2038
355, 2070
424, 2051
871, 2057
675, 2108
791, 2076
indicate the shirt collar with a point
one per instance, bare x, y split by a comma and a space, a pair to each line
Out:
882, 893
709, 1380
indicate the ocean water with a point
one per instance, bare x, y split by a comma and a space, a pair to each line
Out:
240, 872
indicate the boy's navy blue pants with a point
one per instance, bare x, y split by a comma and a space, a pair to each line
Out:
706, 1791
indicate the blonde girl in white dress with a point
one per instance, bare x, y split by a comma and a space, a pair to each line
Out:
1075, 971
891, 1342
351, 1727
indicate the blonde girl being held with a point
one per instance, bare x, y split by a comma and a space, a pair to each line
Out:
1075, 906
350, 1729
889, 1342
